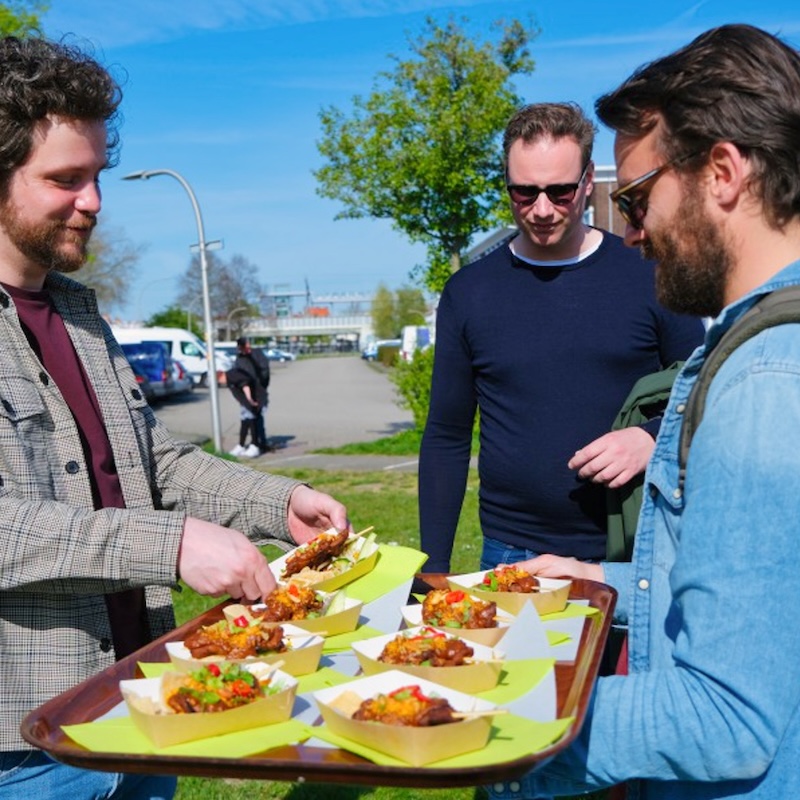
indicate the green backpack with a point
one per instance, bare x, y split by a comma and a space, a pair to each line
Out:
777, 308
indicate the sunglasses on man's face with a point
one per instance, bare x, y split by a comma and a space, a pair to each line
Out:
559, 194
631, 199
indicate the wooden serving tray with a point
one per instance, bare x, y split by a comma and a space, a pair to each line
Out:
98, 695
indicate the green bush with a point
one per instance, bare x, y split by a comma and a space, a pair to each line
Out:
388, 355
413, 381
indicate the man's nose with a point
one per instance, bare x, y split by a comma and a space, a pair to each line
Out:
89, 198
634, 237
542, 206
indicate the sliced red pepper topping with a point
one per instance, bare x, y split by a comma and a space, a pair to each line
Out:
214, 670
455, 597
241, 622
293, 590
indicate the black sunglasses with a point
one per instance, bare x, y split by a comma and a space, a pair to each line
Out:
559, 194
632, 204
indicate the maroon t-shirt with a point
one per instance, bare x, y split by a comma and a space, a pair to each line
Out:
48, 338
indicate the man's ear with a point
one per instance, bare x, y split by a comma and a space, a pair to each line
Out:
728, 171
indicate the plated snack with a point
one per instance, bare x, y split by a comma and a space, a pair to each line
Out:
404, 718
549, 596
224, 641
338, 613
209, 701
508, 579
432, 654
448, 608
329, 561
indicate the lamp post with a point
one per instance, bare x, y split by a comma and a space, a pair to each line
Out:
230, 317
213, 386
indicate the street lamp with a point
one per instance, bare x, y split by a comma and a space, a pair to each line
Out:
230, 317
202, 245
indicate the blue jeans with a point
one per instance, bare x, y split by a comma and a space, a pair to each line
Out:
496, 552
33, 774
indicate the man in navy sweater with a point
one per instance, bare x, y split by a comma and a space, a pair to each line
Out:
546, 336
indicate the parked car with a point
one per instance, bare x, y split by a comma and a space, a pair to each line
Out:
181, 345
182, 380
152, 360
370, 352
273, 354
143, 381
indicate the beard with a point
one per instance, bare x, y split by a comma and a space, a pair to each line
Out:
49, 243
693, 261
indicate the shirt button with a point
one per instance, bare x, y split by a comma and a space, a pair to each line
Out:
644, 584
677, 494
499, 787
514, 786
72, 467
680, 408
3, 300
43, 377
136, 394
105, 644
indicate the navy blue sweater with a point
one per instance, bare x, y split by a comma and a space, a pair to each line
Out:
549, 354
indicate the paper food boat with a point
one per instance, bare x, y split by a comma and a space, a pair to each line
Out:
488, 637
364, 553
300, 658
552, 596
331, 624
164, 728
415, 746
480, 675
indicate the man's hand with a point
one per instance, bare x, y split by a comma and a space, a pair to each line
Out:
615, 458
311, 512
215, 561
549, 566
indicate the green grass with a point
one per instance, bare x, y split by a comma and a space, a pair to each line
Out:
405, 443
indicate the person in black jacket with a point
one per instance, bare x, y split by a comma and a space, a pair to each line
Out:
248, 379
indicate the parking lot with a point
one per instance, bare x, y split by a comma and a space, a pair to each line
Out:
314, 402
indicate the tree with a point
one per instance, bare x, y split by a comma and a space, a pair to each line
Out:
176, 317
232, 285
423, 148
391, 311
383, 313
110, 266
21, 18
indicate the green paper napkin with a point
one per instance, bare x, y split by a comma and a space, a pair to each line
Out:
556, 637
395, 566
155, 669
342, 641
122, 736
512, 737
517, 678
572, 610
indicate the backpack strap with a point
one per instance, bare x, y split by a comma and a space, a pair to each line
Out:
777, 308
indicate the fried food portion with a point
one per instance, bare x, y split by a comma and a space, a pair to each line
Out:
406, 706
214, 688
457, 609
316, 553
286, 603
431, 648
233, 641
508, 579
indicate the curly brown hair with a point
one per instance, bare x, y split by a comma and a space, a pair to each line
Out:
39, 79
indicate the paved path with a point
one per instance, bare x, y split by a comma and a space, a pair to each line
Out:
317, 402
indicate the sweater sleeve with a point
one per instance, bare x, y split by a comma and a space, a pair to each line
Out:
446, 443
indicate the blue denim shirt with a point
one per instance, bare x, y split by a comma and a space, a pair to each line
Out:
711, 708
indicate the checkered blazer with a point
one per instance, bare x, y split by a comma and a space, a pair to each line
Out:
58, 555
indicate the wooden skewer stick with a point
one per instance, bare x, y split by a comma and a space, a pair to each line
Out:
365, 531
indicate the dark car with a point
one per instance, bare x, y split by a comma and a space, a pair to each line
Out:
143, 381
151, 360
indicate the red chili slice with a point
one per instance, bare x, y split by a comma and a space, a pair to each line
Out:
241, 622
454, 597
214, 670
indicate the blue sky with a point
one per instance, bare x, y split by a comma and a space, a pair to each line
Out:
228, 95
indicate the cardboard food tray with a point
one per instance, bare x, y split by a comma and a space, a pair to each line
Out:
488, 637
168, 729
99, 695
365, 564
327, 625
300, 658
552, 597
479, 676
415, 746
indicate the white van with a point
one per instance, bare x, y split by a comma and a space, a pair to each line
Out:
414, 337
181, 344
